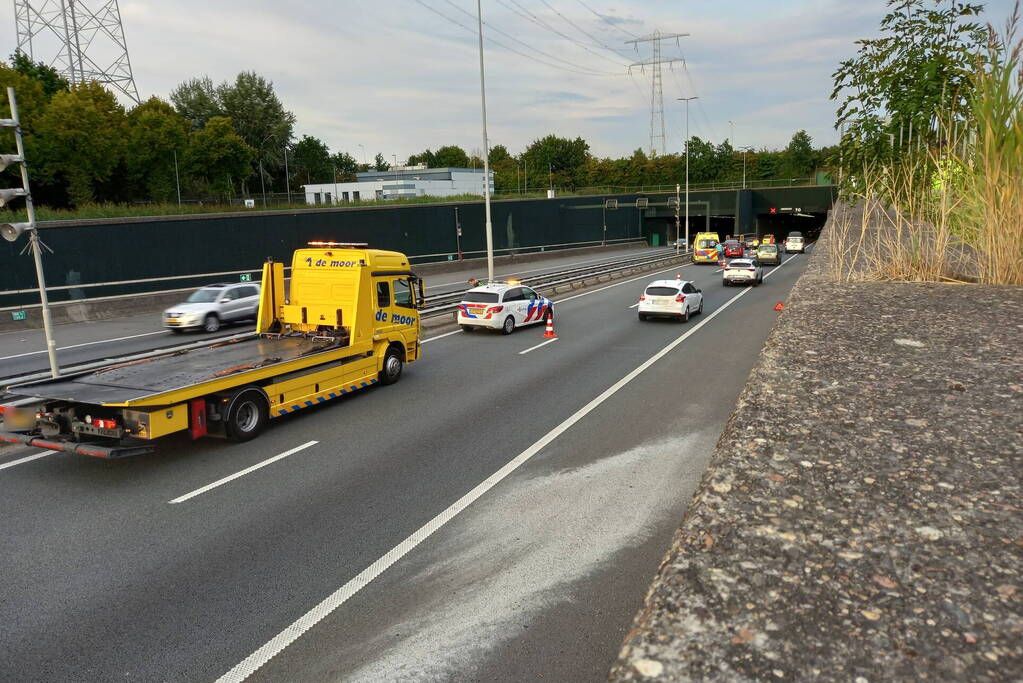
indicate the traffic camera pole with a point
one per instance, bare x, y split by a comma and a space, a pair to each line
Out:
486, 153
33, 237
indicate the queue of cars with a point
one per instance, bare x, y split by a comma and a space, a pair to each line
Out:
506, 306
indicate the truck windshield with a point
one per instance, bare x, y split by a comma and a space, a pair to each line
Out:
480, 297
203, 296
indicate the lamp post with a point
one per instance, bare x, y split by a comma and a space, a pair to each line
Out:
287, 178
744, 150
11, 231
486, 152
177, 181
687, 100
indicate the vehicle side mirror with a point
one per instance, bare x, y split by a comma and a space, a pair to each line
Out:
699, 291
223, 300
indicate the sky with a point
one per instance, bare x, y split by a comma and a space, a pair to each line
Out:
400, 76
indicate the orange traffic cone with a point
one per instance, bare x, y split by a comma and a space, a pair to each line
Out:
779, 306
549, 332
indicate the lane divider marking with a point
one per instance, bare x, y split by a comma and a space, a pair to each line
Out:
297, 628
75, 346
534, 348
242, 473
28, 458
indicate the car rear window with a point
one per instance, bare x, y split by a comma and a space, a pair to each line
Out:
768, 248
741, 264
661, 291
480, 297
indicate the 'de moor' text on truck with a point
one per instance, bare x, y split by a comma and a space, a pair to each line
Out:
349, 320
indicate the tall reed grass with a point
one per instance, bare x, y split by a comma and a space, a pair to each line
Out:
952, 211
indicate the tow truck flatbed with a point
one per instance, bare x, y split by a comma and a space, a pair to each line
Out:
133, 382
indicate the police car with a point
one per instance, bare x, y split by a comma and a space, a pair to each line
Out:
502, 306
670, 298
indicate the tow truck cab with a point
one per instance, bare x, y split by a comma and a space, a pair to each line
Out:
348, 319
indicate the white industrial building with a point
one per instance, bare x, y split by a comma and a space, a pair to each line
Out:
398, 183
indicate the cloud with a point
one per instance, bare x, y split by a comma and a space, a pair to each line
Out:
398, 77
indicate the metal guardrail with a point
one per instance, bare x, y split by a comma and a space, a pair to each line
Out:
445, 303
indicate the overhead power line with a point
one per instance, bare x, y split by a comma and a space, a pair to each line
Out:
529, 16
512, 49
520, 42
584, 32
607, 21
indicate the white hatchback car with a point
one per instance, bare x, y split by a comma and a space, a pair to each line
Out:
670, 298
502, 306
742, 271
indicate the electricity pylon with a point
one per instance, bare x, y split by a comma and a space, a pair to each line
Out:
656, 91
83, 41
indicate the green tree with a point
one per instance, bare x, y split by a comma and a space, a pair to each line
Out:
561, 158
218, 156
81, 140
155, 134
346, 166
426, 157
310, 161
258, 116
381, 163
921, 65
451, 156
497, 154
799, 159
51, 81
197, 100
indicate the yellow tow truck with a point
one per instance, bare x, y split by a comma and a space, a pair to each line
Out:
350, 320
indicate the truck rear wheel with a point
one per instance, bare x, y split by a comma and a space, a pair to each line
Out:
391, 371
247, 416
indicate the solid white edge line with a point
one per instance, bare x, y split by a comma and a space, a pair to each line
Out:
242, 473
296, 629
534, 348
75, 346
28, 458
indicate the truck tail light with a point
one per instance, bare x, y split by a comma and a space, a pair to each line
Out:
101, 423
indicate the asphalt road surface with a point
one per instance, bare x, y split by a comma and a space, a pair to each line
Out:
496, 515
23, 352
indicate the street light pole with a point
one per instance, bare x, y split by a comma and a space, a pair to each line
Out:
287, 178
177, 181
33, 235
486, 152
262, 182
687, 100
744, 150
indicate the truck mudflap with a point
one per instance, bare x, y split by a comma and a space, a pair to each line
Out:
93, 449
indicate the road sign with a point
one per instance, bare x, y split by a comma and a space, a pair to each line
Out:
18, 315
245, 277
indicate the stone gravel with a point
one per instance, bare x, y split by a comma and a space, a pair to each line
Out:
862, 516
